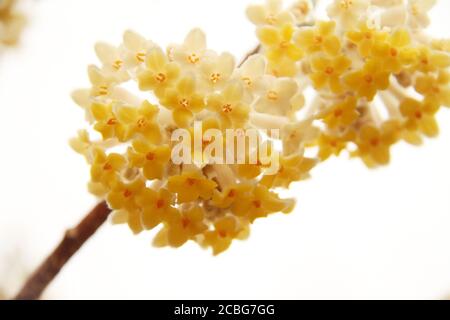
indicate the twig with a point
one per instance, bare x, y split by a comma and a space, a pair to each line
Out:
71, 243
249, 54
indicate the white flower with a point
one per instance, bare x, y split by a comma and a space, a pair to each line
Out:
250, 73
112, 62
216, 70
279, 96
271, 13
418, 13
136, 49
348, 12
192, 51
302, 10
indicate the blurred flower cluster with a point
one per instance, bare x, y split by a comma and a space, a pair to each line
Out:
11, 23
376, 79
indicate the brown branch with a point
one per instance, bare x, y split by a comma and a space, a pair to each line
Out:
249, 54
71, 243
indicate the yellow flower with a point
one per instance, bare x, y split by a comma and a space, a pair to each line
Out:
184, 100
259, 203
435, 87
226, 229
229, 106
123, 195
320, 38
106, 168
279, 48
190, 186
159, 74
141, 121
293, 168
365, 38
155, 206
122, 198
330, 144
151, 158
269, 14
367, 81
107, 123
327, 72
181, 227
341, 114
420, 116
374, 142
429, 60
394, 53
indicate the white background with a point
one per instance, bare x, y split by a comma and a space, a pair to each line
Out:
355, 233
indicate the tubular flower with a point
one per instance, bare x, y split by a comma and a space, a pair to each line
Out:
342, 85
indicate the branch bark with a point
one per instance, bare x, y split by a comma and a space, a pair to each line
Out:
71, 243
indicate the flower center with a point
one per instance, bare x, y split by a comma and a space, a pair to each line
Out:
394, 52
141, 123
193, 58
117, 64
257, 204
227, 108
318, 39
215, 77
375, 142
271, 19
368, 78
190, 181
232, 194
107, 166
346, 4
329, 70
247, 81
184, 103
127, 193
150, 156
338, 113
272, 95
140, 56
112, 122
418, 115
160, 204
102, 90
160, 77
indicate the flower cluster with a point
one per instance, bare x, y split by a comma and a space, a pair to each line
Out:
11, 23
377, 79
